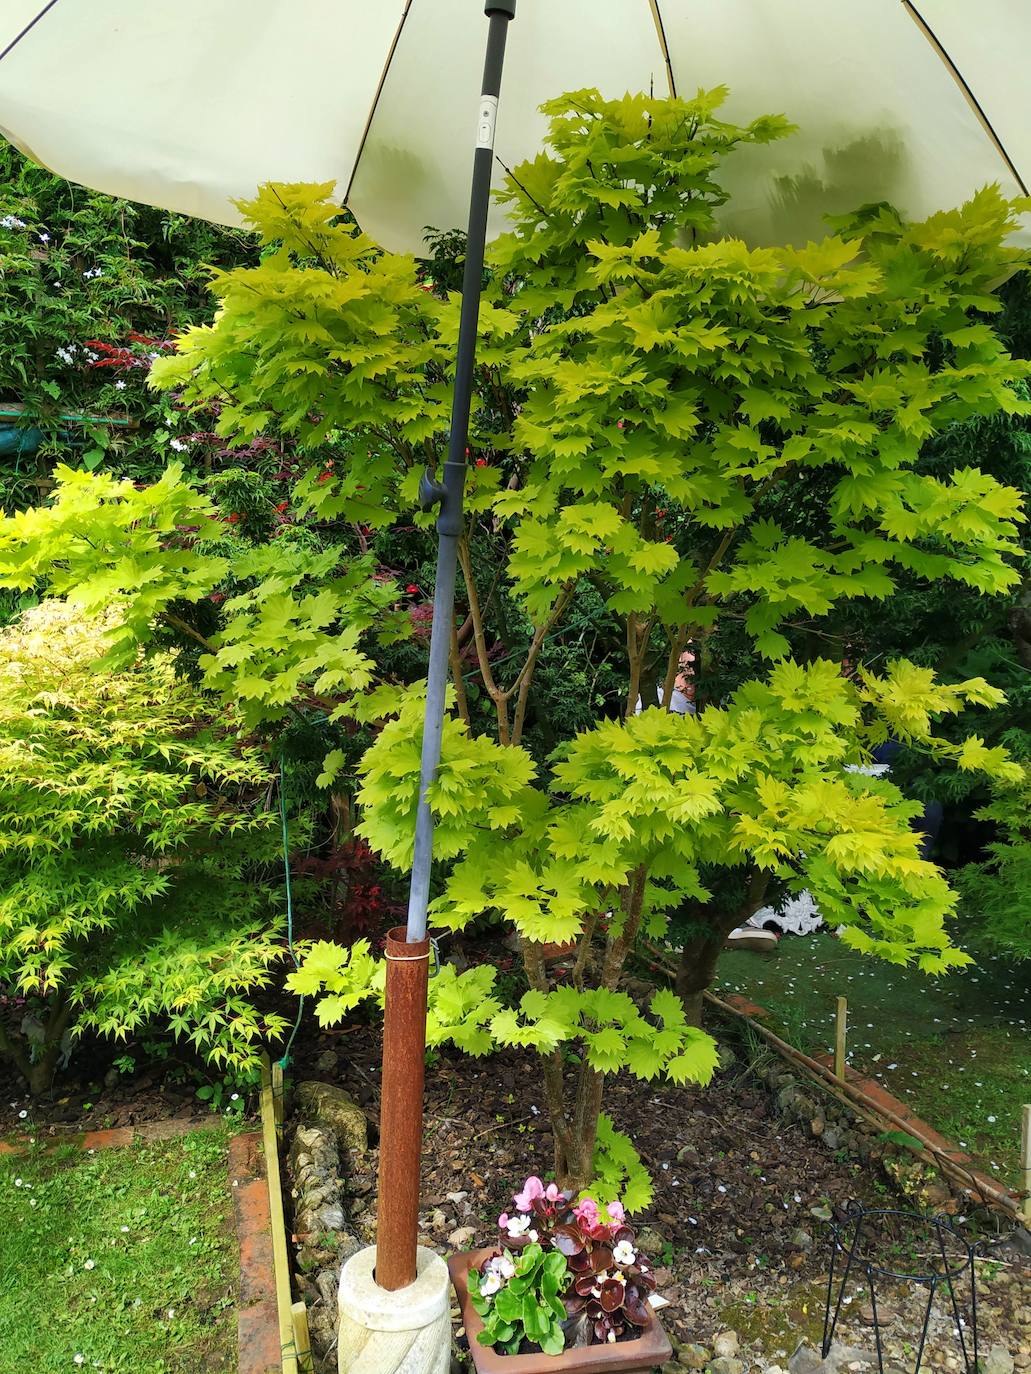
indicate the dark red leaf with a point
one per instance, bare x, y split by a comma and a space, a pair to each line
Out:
612, 1293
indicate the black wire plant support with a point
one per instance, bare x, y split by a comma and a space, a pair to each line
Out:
858, 1239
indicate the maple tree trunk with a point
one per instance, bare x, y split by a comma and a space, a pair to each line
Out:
574, 1153
700, 954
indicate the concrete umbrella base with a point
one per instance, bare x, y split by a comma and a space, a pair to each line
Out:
407, 1331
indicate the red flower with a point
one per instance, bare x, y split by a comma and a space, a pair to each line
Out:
233, 518
481, 462
412, 589
283, 505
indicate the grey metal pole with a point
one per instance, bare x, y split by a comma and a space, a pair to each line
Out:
448, 493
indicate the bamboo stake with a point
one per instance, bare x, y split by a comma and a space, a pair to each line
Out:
280, 1258
277, 1097
302, 1340
839, 1039
1025, 1161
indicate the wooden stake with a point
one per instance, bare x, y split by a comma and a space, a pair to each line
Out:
280, 1256
1025, 1160
302, 1341
839, 1039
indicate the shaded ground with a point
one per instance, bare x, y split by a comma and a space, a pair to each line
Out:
123, 1260
732, 1225
957, 1049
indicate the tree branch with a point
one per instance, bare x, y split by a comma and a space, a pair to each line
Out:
498, 697
522, 682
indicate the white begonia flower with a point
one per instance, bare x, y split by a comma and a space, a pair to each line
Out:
534, 1235
505, 1267
490, 1283
624, 1253
518, 1225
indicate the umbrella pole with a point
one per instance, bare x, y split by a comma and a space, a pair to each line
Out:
404, 1035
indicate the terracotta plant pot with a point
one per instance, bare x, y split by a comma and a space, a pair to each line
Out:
639, 1356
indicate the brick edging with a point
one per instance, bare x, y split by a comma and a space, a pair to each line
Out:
116, 1135
257, 1311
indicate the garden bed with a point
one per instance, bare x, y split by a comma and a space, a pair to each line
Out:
738, 1222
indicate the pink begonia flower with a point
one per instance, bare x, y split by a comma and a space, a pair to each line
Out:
503, 1220
532, 1188
586, 1211
615, 1211
551, 1192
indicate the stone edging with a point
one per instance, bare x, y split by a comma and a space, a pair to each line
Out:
874, 1099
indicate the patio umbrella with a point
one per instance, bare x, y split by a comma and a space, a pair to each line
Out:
190, 105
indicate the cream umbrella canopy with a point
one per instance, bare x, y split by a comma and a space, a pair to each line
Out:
191, 104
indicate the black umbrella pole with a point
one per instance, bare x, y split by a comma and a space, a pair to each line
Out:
401, 1110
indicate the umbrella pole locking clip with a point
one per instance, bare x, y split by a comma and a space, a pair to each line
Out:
431, 492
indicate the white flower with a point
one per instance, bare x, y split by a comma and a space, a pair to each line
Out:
124, 1228
624, 1253
177, 444
78, 1359
119, 385
490, 1283
171, 1313
89, 1265
17, 1182
234, 1097
505, 1267
44, 237
193, 1174
534, 1236
32, 1202
12, 222
23, 1115
518, 1225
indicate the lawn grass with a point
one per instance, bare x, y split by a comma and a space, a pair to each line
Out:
122, 1259
956, 1049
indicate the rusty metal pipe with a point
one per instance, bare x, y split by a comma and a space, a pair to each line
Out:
404, 1057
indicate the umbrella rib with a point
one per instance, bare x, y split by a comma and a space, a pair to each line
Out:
961, 82
375, 99
30, 25
660, 30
